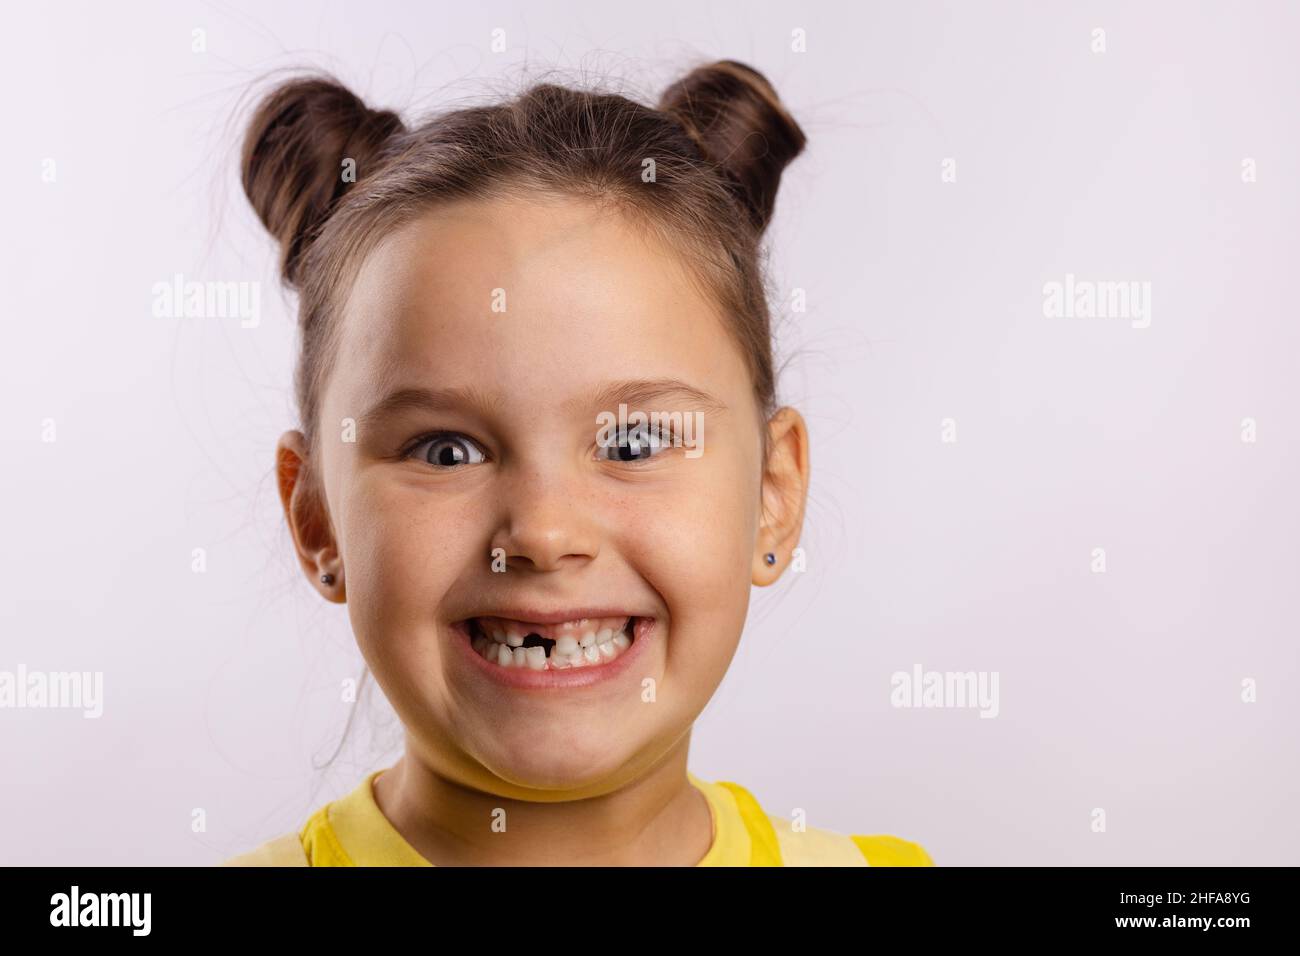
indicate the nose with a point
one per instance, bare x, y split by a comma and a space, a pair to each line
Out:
544, 526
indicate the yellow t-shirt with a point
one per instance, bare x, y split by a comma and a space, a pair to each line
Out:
353, 831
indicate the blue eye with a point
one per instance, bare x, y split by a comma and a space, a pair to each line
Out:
448, 451
638, 443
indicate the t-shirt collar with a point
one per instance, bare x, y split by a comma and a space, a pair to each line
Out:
370, 839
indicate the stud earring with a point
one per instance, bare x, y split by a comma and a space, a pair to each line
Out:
770, 558
327, 579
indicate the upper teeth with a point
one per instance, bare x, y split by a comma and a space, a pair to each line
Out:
577, 643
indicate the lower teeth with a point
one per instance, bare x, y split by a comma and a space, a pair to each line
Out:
536, 658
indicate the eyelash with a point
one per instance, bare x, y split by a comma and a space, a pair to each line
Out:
438, 436
665, 436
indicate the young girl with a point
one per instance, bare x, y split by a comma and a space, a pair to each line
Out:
540, 461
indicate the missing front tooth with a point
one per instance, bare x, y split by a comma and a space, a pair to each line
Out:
536, 640
477, 632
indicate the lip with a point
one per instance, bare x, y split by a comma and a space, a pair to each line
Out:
525, 678
536, 616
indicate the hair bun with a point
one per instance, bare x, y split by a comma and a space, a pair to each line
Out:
733, 114
293, 155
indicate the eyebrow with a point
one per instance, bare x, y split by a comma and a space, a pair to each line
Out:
634, 392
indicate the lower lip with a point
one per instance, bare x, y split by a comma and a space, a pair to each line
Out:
525, 678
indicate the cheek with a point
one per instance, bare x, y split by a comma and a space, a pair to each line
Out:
702, 538
403, 549
694, 547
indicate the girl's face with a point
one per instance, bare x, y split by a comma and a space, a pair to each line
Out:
505, 330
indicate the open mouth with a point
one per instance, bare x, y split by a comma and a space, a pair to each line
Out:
586, 642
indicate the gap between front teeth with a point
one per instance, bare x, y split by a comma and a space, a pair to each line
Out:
579, 644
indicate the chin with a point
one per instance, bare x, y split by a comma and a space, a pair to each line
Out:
559, 769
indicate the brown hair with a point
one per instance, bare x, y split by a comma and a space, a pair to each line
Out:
719, 139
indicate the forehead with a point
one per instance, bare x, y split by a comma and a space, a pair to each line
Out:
528, 294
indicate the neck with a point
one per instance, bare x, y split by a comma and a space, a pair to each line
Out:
660, 819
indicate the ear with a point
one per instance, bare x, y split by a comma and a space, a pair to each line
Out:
308, 516
784, 494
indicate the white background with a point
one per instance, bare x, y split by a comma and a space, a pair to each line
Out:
1119, 691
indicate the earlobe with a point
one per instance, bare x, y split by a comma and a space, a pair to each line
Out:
767, 569
331, 585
